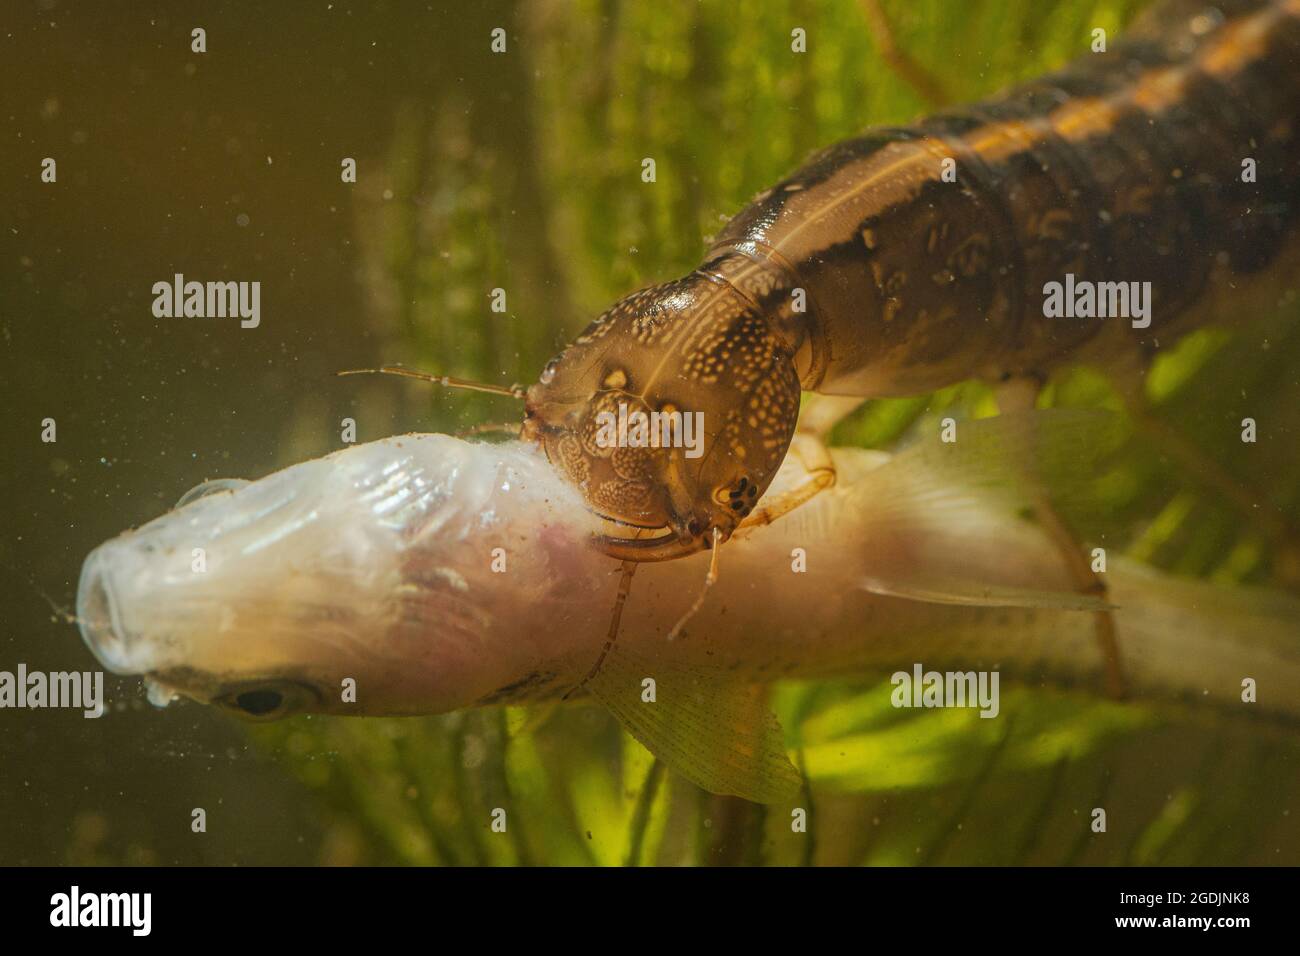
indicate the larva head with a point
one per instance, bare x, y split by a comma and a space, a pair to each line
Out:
673, 410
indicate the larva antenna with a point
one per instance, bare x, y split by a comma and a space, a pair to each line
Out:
63, 614
514, 391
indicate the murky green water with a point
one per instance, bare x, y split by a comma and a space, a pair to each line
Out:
475, 172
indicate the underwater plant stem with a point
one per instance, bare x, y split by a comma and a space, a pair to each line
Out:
641, 814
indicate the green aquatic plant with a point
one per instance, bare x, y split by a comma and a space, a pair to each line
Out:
725, 108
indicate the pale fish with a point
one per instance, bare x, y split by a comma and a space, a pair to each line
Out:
423, 574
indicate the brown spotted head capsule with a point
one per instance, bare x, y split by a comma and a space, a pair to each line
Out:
672, 411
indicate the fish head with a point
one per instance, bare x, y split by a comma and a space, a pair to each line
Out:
388, 578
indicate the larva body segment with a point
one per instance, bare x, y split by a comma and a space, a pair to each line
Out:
1126, 166
908, 259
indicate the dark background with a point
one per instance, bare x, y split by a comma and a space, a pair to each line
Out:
223, 165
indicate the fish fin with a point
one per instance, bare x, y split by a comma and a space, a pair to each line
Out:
944, 592
210, 487
953, 523
1004, 459
1201, 640
714, 730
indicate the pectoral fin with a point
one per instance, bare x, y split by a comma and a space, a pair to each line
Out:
956, 523
969, 594
716, 732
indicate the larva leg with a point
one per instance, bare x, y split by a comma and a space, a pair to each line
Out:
821, 413
813, 454
908, 70
624, 589
811, 450
1021, 395
816, 459
1202, 468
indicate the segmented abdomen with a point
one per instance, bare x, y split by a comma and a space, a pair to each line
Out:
924, 251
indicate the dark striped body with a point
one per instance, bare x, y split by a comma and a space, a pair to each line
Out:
1126, 166
912, 258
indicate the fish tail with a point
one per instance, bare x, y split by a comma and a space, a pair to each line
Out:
1232, 648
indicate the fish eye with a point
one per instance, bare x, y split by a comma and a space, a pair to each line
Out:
269, 701
259, 703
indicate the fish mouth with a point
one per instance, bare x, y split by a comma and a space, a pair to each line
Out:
99, 616
284, 595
